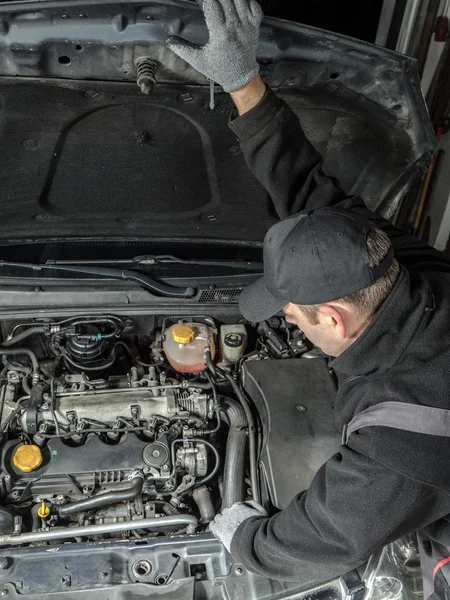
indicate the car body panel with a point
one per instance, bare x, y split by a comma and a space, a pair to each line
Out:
87, 153
182, 568
86, 156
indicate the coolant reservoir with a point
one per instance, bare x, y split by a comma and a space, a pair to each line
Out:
184, 345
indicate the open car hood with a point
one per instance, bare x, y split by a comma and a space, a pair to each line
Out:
84, 153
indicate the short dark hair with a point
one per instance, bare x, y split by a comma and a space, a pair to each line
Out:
368, 300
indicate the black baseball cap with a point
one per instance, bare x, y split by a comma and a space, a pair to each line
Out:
312, 258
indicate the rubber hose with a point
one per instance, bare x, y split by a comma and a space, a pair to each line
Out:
24, 335
251, 435
234, 414
236, 452
35, 518
209, 361
202, 497
9, 366
234, 469
116, 323
26, 387
31, 355
131, 355
102, 499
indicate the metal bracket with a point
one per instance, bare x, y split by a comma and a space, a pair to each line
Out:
352, 586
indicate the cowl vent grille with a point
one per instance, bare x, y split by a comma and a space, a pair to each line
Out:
226, 294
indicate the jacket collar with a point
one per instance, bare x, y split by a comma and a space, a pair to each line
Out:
385, 340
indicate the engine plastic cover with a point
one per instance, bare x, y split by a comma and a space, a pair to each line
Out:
68, 470
295, 399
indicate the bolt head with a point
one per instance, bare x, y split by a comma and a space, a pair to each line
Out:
91, 94
239, 571
4, 593
301, 408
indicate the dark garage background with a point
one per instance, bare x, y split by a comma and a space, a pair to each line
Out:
356, 18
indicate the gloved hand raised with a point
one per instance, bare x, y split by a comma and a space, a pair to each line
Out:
229, 57
225, 525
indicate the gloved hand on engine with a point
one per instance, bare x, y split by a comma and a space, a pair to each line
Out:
225, 524
229, 57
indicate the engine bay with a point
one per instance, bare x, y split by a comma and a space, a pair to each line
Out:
113, 427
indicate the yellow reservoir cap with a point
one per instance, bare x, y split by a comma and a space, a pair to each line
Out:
27, 458
183, 334
43, 511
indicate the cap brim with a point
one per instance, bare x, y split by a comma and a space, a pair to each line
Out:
256, 304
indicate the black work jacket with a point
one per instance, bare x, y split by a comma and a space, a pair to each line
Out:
385, 483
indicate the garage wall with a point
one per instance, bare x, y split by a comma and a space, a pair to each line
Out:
439, 214
434, 54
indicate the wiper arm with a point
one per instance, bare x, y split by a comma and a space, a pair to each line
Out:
151, 259
146, 282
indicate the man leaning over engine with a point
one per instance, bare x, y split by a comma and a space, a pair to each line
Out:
372, 297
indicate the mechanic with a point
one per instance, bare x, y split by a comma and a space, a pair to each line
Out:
372, 297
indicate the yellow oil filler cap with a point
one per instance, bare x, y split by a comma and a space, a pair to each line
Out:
183, 334
43, 511
27, 458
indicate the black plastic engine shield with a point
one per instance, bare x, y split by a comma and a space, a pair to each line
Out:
295, 399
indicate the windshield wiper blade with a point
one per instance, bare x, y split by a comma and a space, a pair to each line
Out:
151, 259
146, 282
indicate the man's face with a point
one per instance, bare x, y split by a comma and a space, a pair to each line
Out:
324, 335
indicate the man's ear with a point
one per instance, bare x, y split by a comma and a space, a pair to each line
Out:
335, 317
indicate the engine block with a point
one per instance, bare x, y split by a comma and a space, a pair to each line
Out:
106, 405
75, 472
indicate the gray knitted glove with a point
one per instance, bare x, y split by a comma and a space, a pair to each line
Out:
224, 525
229, 57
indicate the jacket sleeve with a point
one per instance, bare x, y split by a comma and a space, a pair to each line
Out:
353, 507
281, 157
284, 161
